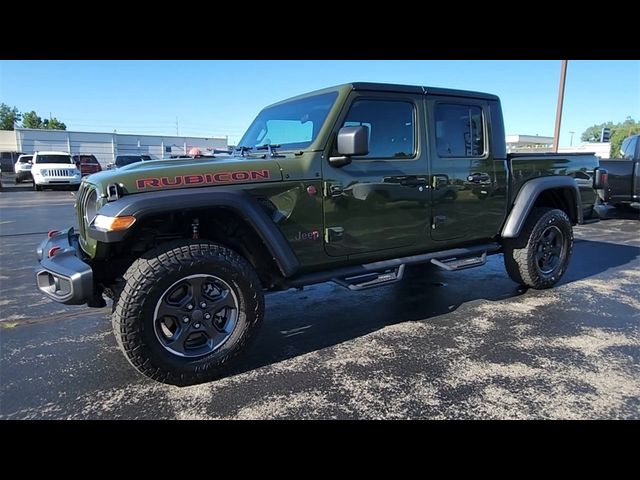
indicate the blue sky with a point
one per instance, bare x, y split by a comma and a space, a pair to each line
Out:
222, 97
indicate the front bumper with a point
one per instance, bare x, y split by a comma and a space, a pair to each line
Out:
64, 277
53, 181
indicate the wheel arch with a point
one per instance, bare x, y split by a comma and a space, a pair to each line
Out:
236, 203
555, 192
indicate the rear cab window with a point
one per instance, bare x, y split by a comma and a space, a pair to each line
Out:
628, 148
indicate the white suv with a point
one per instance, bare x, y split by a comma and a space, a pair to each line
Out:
23, 168
53, 169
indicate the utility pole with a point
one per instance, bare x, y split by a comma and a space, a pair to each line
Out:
571, 144
563, 77
177, 134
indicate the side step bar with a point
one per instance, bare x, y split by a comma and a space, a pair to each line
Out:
370, 280
455, 264
383, 267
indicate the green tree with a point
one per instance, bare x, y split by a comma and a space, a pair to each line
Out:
31, 120
53, 124
9, 116
619, 131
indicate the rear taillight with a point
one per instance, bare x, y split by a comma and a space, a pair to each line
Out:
601, 179
53, 251
51, 233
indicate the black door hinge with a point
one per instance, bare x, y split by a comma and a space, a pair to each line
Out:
438, 220
333, 234
332, 190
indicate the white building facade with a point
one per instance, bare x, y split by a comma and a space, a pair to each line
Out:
105, 146
539, 144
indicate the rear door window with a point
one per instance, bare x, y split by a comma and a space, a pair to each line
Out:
459, 130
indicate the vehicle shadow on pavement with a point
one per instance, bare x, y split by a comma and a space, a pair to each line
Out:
300, 322
592, 257
628, 213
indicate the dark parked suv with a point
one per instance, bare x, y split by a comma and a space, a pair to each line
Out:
87, 164
8, 160
124, 160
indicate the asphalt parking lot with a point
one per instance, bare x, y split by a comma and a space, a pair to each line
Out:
465, 345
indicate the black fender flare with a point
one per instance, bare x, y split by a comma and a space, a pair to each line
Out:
244, 205
528, 195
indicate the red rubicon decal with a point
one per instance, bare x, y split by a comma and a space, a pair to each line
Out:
207, 178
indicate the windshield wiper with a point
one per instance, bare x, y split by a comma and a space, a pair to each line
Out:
242, 149
272, 150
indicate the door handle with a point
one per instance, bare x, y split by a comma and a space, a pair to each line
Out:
478, 177
413, 182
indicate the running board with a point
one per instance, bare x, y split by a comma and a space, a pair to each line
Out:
381, 267
454, 264
371, 280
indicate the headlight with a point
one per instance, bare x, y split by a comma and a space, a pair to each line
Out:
113, 224
90, 207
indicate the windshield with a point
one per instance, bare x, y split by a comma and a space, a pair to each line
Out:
291, 125
53, 159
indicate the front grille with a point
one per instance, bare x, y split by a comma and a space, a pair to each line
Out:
81, 200
57, 172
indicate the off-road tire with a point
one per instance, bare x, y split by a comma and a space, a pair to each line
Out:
520, 253
150, 276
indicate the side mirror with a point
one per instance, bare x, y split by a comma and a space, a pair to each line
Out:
352, 141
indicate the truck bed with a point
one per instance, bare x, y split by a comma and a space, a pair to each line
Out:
580, 166
624, 180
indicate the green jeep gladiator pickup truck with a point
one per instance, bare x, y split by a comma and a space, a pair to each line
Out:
347, 184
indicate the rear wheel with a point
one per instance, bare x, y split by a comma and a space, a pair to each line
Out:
539, 257
186, 310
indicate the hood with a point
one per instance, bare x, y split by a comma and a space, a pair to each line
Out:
189, 173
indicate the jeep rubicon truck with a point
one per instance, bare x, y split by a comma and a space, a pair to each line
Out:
347, 184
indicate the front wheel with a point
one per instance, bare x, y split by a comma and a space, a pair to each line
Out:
540, 255
186, 310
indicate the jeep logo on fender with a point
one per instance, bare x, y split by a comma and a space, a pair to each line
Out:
201, 179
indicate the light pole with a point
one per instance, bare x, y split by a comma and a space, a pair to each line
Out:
563, 77
571, 143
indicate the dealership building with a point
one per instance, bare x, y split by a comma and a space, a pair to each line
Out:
105, 146
540, 144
